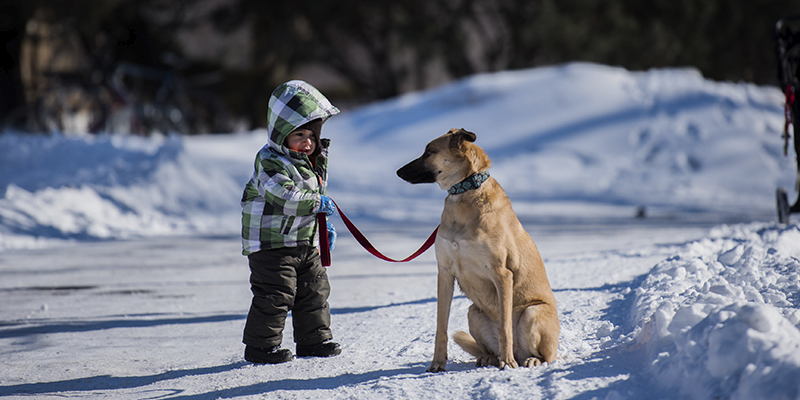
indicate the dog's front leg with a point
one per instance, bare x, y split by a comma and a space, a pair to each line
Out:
505, 294
444, 297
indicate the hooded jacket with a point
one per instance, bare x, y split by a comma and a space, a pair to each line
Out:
281, 200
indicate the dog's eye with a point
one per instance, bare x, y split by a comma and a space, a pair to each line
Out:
428, 153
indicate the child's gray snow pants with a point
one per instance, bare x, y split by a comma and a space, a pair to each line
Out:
282, 280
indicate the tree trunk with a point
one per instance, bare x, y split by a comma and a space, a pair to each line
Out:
12, 30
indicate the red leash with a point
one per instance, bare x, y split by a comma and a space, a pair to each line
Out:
362, 240
324, 245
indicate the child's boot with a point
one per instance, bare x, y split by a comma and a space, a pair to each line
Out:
272, 355
322, 349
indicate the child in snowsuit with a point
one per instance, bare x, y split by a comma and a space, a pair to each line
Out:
280, 232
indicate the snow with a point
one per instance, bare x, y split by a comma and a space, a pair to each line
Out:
122, 275
720, 317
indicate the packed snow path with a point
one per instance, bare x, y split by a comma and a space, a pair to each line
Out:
162, 318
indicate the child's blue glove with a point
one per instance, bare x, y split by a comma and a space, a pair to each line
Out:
331, 235
326, 205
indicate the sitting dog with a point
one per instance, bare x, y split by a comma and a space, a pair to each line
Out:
482, 245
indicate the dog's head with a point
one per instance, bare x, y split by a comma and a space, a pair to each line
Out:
447, 160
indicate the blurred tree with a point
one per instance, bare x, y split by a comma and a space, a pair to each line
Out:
380, 49
364, 42
13, 15
724, 39
81, 37
383, 49
139, 31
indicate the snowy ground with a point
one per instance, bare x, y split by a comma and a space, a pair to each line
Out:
122, 275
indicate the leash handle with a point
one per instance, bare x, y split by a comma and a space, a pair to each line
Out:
324, 245
362, 240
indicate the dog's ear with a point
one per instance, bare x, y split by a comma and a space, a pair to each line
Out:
459, 136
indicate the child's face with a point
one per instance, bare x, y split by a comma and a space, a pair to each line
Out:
302, 141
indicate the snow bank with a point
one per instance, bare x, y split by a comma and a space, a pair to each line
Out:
90, 188
720, 319
583, 132
563, 140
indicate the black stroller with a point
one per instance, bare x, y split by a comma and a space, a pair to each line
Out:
787, 47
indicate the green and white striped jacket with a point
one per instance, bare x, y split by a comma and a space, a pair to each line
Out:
281, 200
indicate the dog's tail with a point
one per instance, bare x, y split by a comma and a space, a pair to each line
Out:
468, 343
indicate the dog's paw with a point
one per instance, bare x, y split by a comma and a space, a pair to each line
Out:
437, 366
511, 363
532, 362
487, 360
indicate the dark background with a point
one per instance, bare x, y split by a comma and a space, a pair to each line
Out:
358, 51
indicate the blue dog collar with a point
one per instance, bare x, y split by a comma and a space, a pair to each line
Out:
473, 181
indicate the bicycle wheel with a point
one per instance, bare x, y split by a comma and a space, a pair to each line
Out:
72, 109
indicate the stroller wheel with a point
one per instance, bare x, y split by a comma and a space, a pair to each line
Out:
783, 206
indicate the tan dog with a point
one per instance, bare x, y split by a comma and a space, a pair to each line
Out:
482, 245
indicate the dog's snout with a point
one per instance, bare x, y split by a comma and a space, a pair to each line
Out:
416, 172
401, 173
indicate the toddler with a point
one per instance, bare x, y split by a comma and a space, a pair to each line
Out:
279, 229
